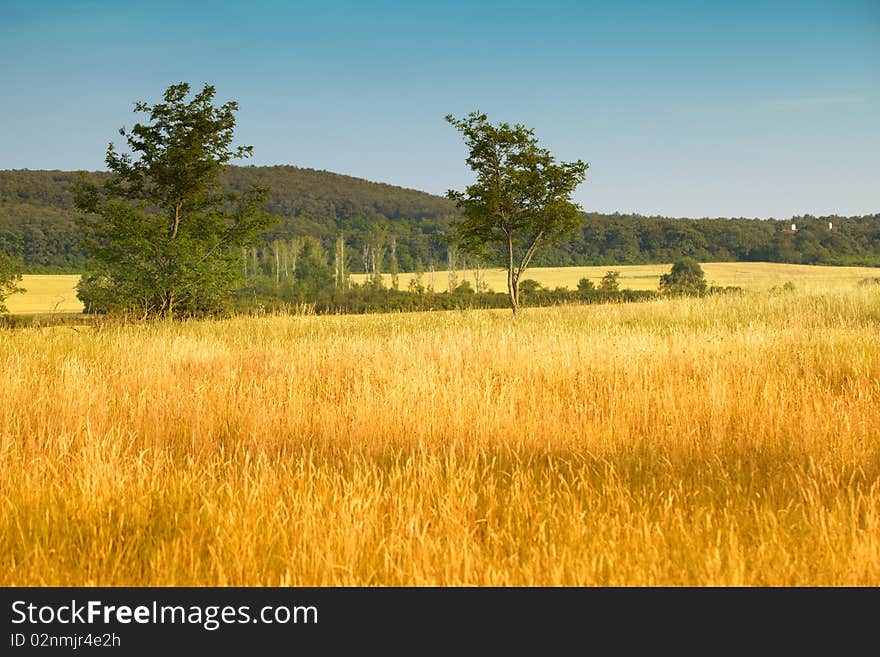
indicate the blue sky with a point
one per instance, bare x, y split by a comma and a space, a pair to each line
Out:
753, 109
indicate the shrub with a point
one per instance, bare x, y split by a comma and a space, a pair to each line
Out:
585, 286
530, 286
609, 282
685, 277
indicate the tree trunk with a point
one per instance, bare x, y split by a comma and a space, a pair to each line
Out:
395, 279
176, 226
512, 277
452, 264
296, 245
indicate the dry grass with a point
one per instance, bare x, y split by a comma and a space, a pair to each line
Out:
722, 441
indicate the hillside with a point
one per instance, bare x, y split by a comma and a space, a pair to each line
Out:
37, 223
37, 217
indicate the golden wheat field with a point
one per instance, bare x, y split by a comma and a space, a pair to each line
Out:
731, 440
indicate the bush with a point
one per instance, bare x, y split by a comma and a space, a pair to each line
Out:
685, 277
530, 287
609, 282
585, 287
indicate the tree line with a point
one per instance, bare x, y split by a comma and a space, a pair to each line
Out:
385, 226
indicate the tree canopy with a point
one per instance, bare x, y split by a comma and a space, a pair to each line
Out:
521, 197
10, 276
162, 235
685, 277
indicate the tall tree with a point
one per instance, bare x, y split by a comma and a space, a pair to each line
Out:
279, 252
10, 277
340, 275
521, 197
162, 236
395, 268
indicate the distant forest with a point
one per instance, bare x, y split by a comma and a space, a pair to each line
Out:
386, 227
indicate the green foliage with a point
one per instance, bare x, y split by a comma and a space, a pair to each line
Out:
162, 235
521, 197
313, 270
416, 283
585, 286
609, 282
263, 296
685, 277
37, 224
10, 277
530, 286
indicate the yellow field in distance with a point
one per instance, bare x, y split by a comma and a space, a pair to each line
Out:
57, 293
749, 275
46, 294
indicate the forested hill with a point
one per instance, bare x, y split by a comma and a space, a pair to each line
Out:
37, 217
37, 224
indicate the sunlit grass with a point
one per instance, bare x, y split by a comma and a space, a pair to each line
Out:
728, 440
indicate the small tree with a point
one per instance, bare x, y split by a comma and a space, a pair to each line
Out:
585, 286
10, 277
480, 283
609, 282
521, 198
161, 236
685, 277
530, 286
415, 283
